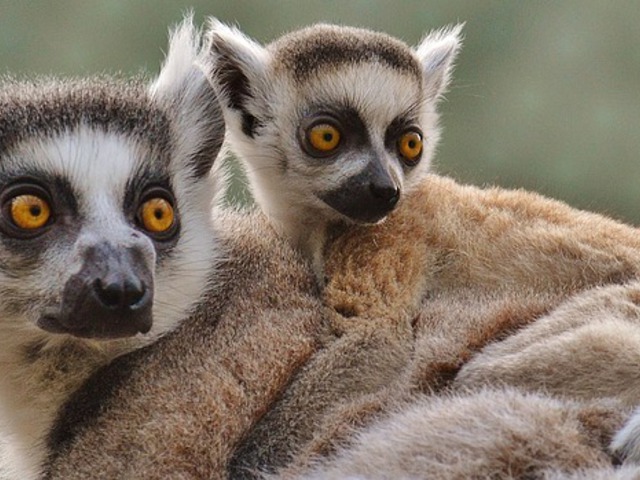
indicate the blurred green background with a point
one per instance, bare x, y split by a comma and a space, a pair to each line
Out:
546, 94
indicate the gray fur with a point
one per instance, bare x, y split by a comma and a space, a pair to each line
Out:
322, 47
48, 107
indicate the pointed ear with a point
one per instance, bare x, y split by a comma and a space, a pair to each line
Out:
238, 67
184, 89
437, 53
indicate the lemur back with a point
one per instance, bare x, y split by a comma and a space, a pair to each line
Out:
106, 240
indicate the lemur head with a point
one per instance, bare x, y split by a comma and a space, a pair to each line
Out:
105, 198
332, 123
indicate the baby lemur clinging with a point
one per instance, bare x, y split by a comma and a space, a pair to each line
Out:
337, 125
178, 408
333, 124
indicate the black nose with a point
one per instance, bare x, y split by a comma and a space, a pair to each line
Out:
388, 193
111, 296
368, 196
119, 293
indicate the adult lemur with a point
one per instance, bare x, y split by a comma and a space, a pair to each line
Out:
105, 225
337, 125
105, 229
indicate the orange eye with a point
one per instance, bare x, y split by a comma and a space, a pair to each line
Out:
156, 215
410, 147
323, 137
29, 211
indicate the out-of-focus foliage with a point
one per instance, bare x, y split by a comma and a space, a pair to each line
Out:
546, 94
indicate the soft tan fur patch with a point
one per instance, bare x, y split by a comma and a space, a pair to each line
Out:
589, 347
452, 271
446, 236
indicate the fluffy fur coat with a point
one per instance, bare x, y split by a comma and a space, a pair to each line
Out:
177, 408
387, 382
454, 270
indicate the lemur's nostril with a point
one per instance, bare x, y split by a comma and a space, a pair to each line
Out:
388, 193
119, 294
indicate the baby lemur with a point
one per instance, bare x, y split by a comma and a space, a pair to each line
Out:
337, 125
105, 229
333, 124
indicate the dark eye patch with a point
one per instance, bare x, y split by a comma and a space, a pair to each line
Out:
62, 202
352, 128
398, 126
141, 182
58, 187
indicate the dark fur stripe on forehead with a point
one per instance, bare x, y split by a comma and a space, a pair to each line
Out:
47, 107
325, 46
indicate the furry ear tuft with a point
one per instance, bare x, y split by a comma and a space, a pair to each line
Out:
238, 66
437, 52
192, 102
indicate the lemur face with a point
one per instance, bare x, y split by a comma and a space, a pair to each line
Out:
105, 200
353, 148
77, 240
340, 122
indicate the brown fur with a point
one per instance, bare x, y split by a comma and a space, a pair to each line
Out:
345, 369
236, 357
447, 236
452, 270
587, 348
189, 397
320, 48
